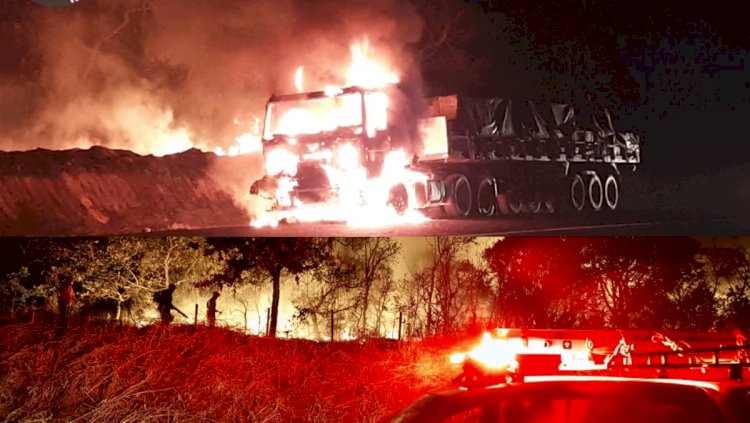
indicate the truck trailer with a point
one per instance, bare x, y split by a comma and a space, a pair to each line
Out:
474, 156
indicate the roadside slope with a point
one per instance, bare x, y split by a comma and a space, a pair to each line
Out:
101, 191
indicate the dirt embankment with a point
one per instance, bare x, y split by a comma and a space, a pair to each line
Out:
101, 191
95, 373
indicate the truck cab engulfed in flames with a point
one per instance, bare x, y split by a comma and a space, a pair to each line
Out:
335, 146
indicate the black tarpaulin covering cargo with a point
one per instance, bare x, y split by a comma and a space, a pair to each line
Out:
501, 117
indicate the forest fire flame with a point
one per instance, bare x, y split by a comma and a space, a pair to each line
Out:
360, 200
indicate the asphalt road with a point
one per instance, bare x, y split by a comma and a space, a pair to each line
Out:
621, 223
662, 201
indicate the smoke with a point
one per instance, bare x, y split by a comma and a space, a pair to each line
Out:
160, 76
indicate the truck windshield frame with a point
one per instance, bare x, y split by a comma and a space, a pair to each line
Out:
312, 113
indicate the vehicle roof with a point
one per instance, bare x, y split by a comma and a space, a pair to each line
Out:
712, 385
454, 399
320, 94
717, 386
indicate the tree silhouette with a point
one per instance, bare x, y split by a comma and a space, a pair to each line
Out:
634, 276
374, 258
273, 256
129, 270
331, 288
540, 283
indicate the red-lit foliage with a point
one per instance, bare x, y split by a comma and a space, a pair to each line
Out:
539, 282
180, 374
618, 282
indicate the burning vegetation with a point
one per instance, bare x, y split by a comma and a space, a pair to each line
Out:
166, 76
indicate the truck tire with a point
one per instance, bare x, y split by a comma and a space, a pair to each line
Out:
459, 195
611, 192
595, 192
487, 197
577, 199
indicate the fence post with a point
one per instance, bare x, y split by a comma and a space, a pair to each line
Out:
332, 326
195, 322
400, 318
268, 322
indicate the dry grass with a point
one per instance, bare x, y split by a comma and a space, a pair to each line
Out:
98, 373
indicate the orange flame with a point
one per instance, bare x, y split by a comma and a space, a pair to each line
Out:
366, 73
361, 202
246, 143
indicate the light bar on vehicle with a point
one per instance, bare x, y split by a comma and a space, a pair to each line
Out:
491, 353
514, 355
504, 352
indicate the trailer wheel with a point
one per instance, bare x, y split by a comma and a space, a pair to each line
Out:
486, 197
398, 198
514, 203
596, 192
509, 203
460, 196
548, 203
577, 193
533, 206
611, 192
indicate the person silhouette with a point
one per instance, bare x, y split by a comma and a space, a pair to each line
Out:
164, 304
66, 298
211, 309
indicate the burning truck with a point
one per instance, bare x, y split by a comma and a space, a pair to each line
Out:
340, 153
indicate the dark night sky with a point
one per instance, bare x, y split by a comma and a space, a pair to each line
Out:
675, 72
